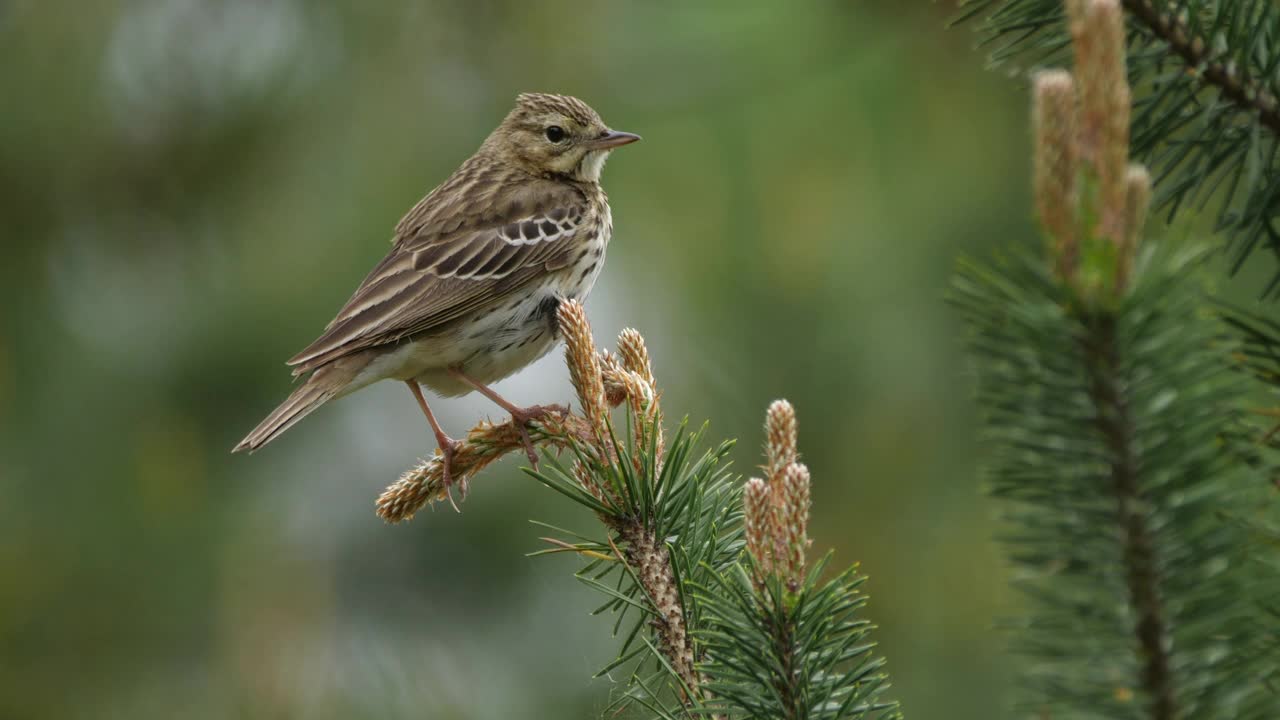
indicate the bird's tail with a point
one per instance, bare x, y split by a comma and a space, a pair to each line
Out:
326, 383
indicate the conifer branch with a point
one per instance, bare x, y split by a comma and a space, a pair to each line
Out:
720, 633
1234, 84
652, 563
1115, 423
1206, 116
1102, 378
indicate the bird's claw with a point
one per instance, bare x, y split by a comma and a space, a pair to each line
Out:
521, 417
448, 446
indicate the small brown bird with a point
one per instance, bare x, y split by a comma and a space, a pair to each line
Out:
468, 293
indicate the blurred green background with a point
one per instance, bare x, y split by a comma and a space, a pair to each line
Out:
189, 190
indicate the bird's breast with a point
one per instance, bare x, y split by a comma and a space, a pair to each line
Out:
577, 279
504, 337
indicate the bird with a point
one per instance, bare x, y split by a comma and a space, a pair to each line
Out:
468, 293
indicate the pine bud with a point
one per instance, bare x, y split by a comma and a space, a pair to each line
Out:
1137, 200
780, 439
795, 514
584, 364
634, 354
757, 523
611, 370
1105, 100
1055, 163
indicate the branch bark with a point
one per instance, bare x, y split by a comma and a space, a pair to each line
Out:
649, 557
1113, 420
1243, 91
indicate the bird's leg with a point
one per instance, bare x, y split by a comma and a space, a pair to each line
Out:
520, 416
447, 444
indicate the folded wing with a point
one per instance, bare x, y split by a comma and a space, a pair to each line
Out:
448, 264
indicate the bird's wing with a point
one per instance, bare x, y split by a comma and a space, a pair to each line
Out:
455, 252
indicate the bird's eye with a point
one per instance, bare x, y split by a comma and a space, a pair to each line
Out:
555, 133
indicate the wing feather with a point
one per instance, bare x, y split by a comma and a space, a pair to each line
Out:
446, 264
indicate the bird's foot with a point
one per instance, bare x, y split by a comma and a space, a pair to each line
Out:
449, 446
521, 417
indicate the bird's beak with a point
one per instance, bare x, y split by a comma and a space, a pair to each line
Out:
612, 139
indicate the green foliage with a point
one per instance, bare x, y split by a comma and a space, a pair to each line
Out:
1260, 343
1131, 521
771, 650
761, 650
1205, 119
691, 504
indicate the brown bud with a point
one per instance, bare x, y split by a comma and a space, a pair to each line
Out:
611, 369
1053, 118
795, 521
634, 354
584, 364
757, 523
780, 439
485, 444
1106, 100
1137, 183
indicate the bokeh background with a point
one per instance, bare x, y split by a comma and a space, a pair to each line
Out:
189, 189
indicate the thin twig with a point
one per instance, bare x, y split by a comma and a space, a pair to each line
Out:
1243, 91
1112, 417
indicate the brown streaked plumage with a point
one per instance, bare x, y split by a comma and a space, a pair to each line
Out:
468, 293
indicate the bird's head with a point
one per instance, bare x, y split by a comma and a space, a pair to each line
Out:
556, 135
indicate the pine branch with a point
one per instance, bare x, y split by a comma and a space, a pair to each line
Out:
1137, 523
1115, 424
807, 645
652, 562
1206, 120
709, 631
1235, 84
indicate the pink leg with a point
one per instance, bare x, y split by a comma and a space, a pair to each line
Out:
520, 416
447, 444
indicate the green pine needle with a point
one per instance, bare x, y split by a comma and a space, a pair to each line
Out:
1144, 598
1206, 116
